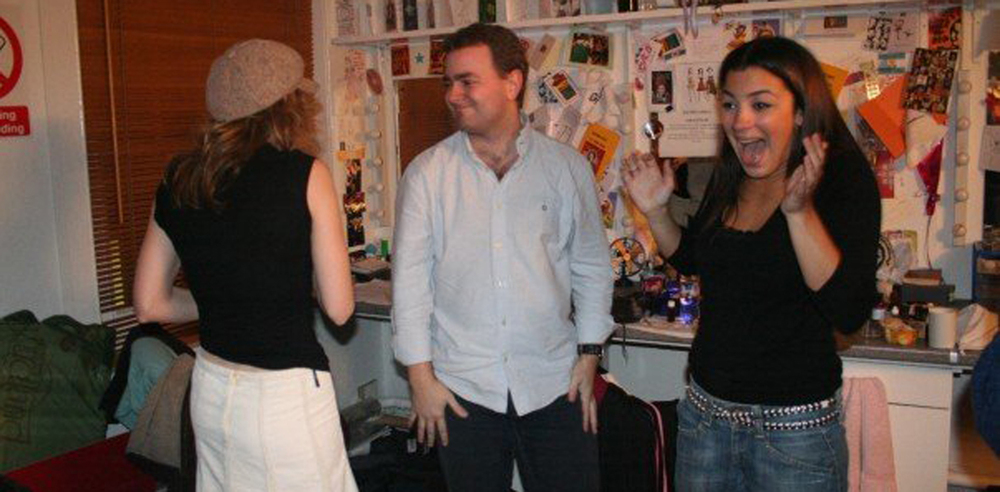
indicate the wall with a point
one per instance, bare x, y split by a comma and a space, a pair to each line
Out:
47, 262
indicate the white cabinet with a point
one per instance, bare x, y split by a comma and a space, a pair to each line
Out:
920, 415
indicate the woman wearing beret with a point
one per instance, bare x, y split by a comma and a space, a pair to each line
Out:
253, 219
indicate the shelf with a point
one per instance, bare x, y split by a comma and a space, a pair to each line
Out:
637, 18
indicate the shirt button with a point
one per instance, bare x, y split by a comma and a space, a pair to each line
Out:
498, 245
506, 358
499, 284
503, 322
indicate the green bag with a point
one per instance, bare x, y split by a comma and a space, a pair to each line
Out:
52, 376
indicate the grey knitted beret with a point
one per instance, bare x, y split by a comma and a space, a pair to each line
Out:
251, 76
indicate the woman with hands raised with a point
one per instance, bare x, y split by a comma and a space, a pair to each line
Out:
785, 244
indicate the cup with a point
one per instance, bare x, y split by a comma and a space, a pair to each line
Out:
942, 327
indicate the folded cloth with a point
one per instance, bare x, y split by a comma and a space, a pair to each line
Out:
158, 432
871, 466
977, 326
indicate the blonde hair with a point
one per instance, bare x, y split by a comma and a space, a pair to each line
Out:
196, 178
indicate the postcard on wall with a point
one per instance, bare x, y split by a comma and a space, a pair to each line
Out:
878, 156
354, 203
563, 8
832, 25
437, 57
712, 41
588, 49
886, 117
544, 94
464, 12
562, 86
993, 89
930, 80
558, 122
391, 16
539, 51
347, 18
892, 32
667, 45
765, 28
599, 145
944, 29
989, 155
893, 63
661, 90
737, 33
420, 59
442, 13
410, 15
400, 54
692, 128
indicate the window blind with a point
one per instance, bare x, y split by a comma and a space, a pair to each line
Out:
143, 69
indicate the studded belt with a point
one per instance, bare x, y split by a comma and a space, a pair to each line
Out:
745, 417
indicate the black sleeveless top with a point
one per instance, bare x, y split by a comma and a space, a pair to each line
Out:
249, 265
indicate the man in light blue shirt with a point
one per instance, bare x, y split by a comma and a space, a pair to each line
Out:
501, 284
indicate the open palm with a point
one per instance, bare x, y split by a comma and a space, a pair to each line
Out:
647, 183
801, 186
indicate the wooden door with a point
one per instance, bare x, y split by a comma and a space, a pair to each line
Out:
424, 119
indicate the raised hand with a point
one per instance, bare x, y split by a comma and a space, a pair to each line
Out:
801, 186
648, 185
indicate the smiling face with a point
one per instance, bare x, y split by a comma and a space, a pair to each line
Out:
760, 120
479, 97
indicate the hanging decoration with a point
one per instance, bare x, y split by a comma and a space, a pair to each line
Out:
930, 173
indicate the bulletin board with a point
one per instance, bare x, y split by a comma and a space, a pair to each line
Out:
896, 75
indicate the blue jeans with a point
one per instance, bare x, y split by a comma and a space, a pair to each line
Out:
714, 454
553, 453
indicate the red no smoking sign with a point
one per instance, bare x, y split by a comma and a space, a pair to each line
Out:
9, 72
14, 120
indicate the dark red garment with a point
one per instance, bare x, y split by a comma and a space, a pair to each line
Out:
100, 467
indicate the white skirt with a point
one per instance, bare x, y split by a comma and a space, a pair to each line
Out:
258, 429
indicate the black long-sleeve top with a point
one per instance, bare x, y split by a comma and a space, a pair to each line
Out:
764, 336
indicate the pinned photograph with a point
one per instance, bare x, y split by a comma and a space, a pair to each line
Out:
540, 51
738, 32
544, 93
993, 90
662, 89
561, 85
832, 26
766, 28
589, 49
929, 83
669, 45
563, 8
944, 29
400, 59
437, 57
598, 146
879, 31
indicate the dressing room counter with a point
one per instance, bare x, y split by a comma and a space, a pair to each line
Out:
656, 332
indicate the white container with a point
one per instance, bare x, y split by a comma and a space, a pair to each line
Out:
942, 327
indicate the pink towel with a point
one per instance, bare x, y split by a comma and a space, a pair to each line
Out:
869, 438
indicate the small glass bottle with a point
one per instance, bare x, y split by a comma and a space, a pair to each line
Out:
874, 328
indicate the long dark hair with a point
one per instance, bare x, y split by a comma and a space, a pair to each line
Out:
195, 178
804, 78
